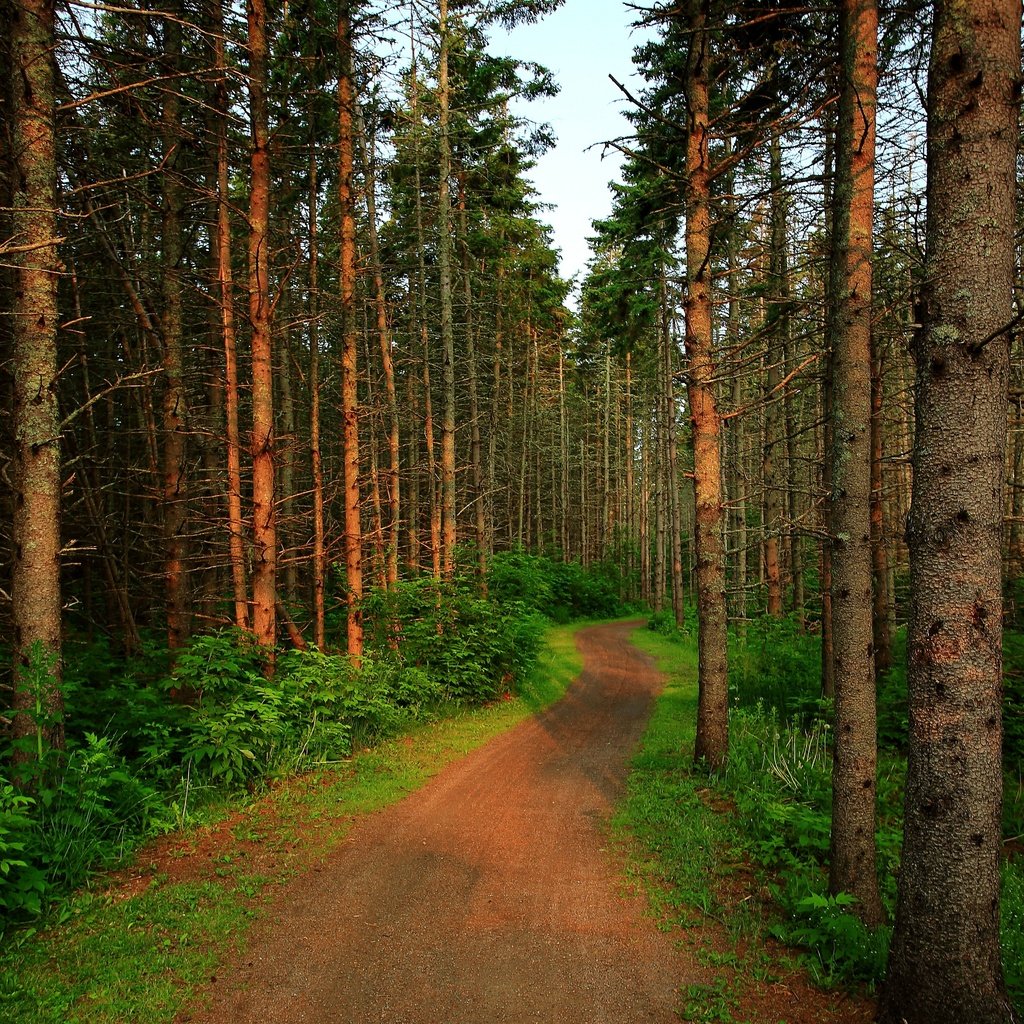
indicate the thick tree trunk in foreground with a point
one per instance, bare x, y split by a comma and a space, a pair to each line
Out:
349, 338
264, 504
945, 963
36, 598
712, 743
853, 864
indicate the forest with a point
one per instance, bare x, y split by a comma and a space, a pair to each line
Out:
305, 442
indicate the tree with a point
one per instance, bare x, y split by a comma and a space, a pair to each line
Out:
444, 266
349, 335
36, 591
852, 864
712, 743
944, 964
175, 403
264, 492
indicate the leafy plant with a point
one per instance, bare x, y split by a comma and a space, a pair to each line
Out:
843, 946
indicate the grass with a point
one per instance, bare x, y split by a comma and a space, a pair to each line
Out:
681, 835
111, 959
778, 781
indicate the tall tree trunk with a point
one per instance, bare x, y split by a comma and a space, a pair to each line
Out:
660, 476
444, 269
475, 449
774, 442
880, 605
421, 294
225, 285
739, 490
287, 447
315, 452
174, 409
672, 457
563, 456
712, 742
825, 418
264, 498
854, 772
630, 468
945, 960
368, 148
36, 595
349, 338
495, 411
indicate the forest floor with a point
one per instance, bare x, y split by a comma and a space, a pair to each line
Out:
498, 892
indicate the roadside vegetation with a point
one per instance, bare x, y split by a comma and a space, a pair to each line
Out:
133, 945
154, 746
768, 812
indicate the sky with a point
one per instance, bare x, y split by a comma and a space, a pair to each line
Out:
581, 44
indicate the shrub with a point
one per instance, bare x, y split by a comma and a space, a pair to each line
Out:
475, 649
561, 591
777, 666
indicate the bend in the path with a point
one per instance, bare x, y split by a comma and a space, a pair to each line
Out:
489, 895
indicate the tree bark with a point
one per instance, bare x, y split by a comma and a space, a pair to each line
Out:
880, 606
475, 444
774, 442
174, 406
945, 960
349, 339
264, 498
368, 146
672, 457
712, 742
444, 268
225, 284
853, 863
315, 450
36, 592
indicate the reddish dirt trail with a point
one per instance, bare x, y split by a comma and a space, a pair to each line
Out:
489, 895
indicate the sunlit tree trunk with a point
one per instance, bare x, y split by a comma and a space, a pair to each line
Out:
36, 593
854, 772
225, 287
349, 339
421, 292
944, 964
712, 742
264, 498
444, 268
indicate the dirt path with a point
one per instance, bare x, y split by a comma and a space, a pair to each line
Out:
490, 895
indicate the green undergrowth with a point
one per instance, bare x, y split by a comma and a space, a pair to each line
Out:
680, 837
769, 809
155, 743
117, 956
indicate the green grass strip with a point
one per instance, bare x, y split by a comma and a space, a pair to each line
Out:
679, 837
140, 958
